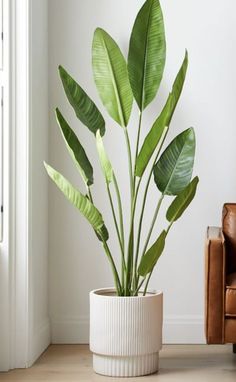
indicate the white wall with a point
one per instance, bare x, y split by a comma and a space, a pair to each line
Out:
39, 337
77, 263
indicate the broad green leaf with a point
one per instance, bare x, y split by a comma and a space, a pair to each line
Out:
111, 77
76, 150
173, 171
182, 201
147, 53
104, 160
85, 109
151, 257
158, 129
98, 236
87, 209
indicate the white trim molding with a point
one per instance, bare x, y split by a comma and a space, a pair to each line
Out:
186, 329
40, 341
26, 323
70, 330
14, 248
5, 324
19, 143
30, 333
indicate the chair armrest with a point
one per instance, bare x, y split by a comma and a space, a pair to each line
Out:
214, 285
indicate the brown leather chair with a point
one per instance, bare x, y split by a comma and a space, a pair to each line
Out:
220, 280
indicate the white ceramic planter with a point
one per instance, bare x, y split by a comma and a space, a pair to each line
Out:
125, 333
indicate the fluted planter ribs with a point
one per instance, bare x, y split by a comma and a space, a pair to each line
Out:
125, 333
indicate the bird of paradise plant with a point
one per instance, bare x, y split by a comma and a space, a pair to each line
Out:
119, 82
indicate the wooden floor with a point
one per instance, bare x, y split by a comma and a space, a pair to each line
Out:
67, 363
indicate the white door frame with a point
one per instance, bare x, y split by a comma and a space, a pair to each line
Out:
20, 212
5, 325
15, 249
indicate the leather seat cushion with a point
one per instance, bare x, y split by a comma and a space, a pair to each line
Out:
229, 229
230, 300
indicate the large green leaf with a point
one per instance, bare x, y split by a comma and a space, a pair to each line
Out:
111, 77
147, 53
173, 171
158, 129
151, 257
76, 150
87, 209
85, 109
182, 201
104, 160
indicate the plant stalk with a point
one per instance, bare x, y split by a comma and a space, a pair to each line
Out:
153, 223
123, 264
120, 210
89, 194
150, 274
137, 143
129, 272
139, 286
130, 242
145, 198
130, 164
114, 270
117, 231
150, 231
146, 285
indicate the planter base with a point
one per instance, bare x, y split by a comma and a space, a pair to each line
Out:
115, 366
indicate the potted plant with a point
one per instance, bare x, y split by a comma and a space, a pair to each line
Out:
126, 321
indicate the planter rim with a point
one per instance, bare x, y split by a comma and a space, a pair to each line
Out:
104, 293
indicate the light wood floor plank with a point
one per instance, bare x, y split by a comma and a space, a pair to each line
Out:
178, 363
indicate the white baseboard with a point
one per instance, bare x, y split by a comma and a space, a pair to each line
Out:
70, 330
183, 330
41, 339
176, 330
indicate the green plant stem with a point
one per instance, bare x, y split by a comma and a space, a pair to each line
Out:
144, 200
130, 164
150, 231
146, 285
114, 270
150, 274
114, 218
153, 223
117, 229
139, 286
89, 194
140, 228
137, 143
123, 264
129, 271
133, 214
120, 210
169, 227
131, 234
